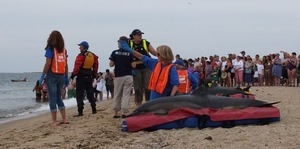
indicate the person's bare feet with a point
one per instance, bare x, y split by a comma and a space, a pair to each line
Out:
63, 122
54, 124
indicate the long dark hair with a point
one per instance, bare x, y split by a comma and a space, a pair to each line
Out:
56, 40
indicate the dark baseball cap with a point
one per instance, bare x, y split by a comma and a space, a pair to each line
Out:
137, 32
84, 44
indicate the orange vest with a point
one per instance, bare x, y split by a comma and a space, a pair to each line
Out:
59, 61
184, 82
159, 78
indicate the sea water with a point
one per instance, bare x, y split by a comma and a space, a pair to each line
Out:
17, 100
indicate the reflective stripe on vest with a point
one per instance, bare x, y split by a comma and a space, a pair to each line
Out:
159, 78
58, 64
184, 82
144, 46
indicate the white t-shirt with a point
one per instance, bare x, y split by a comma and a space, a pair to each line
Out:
239, 65
223, 65
101, 85
255, 74
260, 69
233, 63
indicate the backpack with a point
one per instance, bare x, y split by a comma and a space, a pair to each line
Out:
88, 61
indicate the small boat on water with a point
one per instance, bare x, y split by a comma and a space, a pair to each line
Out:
19, 80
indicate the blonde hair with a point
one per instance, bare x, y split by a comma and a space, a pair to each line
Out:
197, 65
165, 53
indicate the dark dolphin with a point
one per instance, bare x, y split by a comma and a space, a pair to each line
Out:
221, 91
163, 105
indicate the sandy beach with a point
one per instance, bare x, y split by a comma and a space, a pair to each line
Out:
102, 131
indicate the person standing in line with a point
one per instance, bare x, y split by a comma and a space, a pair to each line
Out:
55, 72
164, 77
239, 70
85, 70
248, 71
292, 69
122, 61
142, 74
208, 71
260, 69
109, 83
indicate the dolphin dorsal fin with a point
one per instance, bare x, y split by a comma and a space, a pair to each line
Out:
201, 90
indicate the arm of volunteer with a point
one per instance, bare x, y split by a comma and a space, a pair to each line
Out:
174, 90
152, 50
126, 47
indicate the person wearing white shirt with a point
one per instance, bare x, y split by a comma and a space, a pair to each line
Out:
260, 70
239, 69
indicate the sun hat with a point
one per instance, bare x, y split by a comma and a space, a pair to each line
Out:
224, 75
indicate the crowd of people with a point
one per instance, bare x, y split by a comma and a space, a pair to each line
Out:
153, 73
243, 70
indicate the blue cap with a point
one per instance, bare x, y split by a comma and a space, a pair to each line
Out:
137, 32
179, 62
84, 44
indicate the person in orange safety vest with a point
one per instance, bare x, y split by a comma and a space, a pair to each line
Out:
187, 81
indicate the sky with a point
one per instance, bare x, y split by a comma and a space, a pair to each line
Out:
192, 28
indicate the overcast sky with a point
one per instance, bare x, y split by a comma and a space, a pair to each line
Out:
192, 28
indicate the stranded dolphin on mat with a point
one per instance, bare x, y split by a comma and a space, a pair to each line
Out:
163, 105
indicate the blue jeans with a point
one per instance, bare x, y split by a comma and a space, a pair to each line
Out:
55, 84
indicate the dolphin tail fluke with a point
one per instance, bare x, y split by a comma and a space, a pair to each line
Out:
270, 104
246, 89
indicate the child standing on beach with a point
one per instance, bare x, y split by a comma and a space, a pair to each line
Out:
260, 70
100, 85
255, 76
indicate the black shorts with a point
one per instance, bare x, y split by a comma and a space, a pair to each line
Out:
284, 73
